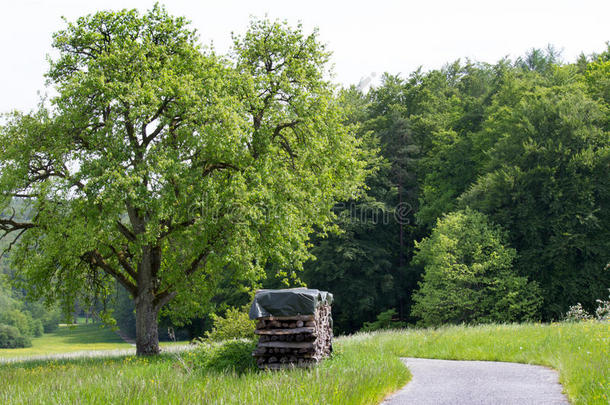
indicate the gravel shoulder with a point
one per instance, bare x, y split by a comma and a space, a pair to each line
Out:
438, 382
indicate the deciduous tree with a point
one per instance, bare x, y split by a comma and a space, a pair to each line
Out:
468, 275
167, 167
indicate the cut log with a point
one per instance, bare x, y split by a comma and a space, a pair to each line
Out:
293, 331
288, 345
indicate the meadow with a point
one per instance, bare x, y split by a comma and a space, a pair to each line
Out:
69, 339
364, 369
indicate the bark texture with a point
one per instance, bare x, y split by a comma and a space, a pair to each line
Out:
147, 330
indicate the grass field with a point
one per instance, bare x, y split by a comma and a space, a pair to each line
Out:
68, 339
365, 369
580, 352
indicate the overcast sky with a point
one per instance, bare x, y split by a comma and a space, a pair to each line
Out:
366, 37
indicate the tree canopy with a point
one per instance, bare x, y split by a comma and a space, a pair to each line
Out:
525, 142
167, 167
468, 275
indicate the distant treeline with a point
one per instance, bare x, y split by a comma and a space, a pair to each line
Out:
525, 143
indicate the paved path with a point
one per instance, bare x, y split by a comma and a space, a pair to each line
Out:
437, 382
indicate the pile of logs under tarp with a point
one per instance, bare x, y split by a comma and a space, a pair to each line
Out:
294, 341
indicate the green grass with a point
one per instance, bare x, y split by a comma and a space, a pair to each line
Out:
580, 352
365, 369
68, 339
360, 374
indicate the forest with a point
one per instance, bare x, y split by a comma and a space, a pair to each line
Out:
486, 196
503, 169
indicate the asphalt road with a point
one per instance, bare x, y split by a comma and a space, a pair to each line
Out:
438, 382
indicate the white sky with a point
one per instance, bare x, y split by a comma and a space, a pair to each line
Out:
367, 37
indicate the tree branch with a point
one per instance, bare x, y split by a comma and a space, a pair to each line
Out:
218, 166
172, 228
163, 298
13, 242
195, 263
123, 261
95, 259
192, 268
129, 128
279, 127
9, 225
277, 133
126, 232
146, 139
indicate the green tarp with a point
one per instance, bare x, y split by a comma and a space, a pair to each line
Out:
288, 302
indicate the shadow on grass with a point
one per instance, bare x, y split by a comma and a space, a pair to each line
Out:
87, 334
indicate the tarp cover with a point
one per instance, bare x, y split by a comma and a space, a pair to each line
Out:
288, 302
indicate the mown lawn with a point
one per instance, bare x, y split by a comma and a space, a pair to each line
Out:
74, 338
365, 369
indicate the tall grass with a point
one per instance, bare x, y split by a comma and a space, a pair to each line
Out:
360, 373
364, 370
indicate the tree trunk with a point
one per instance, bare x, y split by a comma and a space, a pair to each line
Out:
147, 329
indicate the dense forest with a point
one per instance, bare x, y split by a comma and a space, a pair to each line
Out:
524, 143
487, 200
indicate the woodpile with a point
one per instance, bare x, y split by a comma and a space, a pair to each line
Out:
294, 341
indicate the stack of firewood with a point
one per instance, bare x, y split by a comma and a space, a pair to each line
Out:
293, 341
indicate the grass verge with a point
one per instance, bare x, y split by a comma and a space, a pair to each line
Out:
365, 369
580, 352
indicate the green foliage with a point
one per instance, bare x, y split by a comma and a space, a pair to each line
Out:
23, 321
234, 325
385, 320
18, 319
527, 144
597, 79
468, 275
420, 126
169, 168
11, 337
30, 318
49, 317
123, 311
545, 181
36, 328
233, 356
364, 265
539, 60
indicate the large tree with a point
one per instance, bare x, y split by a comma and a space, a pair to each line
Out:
166, 167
